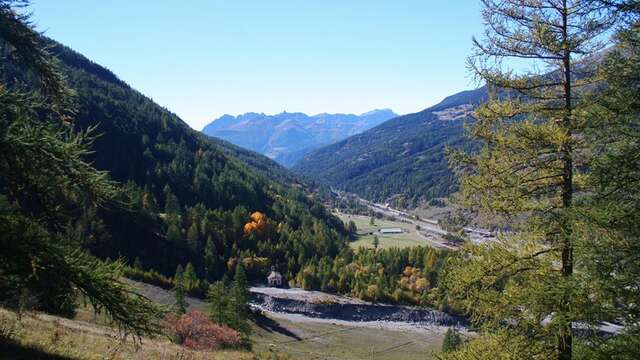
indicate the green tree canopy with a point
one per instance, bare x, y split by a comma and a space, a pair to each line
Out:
45, 184
524, 290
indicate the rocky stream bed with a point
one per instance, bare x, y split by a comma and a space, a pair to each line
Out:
315, 304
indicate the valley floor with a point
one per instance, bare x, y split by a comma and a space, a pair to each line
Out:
40, 336
304, 324
275, 335
307, 339
366, 232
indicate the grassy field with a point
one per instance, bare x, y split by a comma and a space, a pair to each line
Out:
408, 238
320, 340
315, 340
39, 336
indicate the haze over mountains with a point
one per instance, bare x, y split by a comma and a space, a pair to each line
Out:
287, 137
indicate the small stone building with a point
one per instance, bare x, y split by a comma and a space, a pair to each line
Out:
274, 278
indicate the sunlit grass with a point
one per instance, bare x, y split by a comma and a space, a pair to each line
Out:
366, 232
40, 336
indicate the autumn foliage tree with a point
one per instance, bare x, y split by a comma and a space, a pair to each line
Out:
258, 223
195, 331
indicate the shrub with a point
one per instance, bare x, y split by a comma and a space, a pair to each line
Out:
149, 277
452, 340
9, 327
195, 331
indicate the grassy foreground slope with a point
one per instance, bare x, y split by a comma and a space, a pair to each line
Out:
281, 336
40, 336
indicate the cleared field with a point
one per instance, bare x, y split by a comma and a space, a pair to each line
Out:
315, 340
366, 232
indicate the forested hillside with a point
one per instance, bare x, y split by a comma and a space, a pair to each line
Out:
187, 197
403, 156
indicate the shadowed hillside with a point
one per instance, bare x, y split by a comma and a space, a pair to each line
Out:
187, 195
403, 156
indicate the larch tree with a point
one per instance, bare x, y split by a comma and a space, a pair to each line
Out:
190, 278
239, 304
210, 258
179, 291
521, 289
609, 220
45, 186
193, 237
180, 304
218, 303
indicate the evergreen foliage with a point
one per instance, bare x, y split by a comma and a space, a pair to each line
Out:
536, 176
609, 218
186, 197
409, 275
240, 302
180, 305
218, 302
229, 304
451, 341
48, 191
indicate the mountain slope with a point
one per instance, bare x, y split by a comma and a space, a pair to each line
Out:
287, 137
187, 197
401, 157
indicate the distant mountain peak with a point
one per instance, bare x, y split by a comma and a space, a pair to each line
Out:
288, 136
379, 111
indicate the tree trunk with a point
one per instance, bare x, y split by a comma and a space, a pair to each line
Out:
566, 333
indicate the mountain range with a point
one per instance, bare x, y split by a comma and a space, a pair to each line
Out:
402, 158
287, 137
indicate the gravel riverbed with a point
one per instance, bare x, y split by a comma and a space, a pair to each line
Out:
348, 311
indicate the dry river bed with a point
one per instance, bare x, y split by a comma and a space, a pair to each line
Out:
299, 305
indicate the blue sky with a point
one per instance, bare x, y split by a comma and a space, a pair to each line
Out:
205, 58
